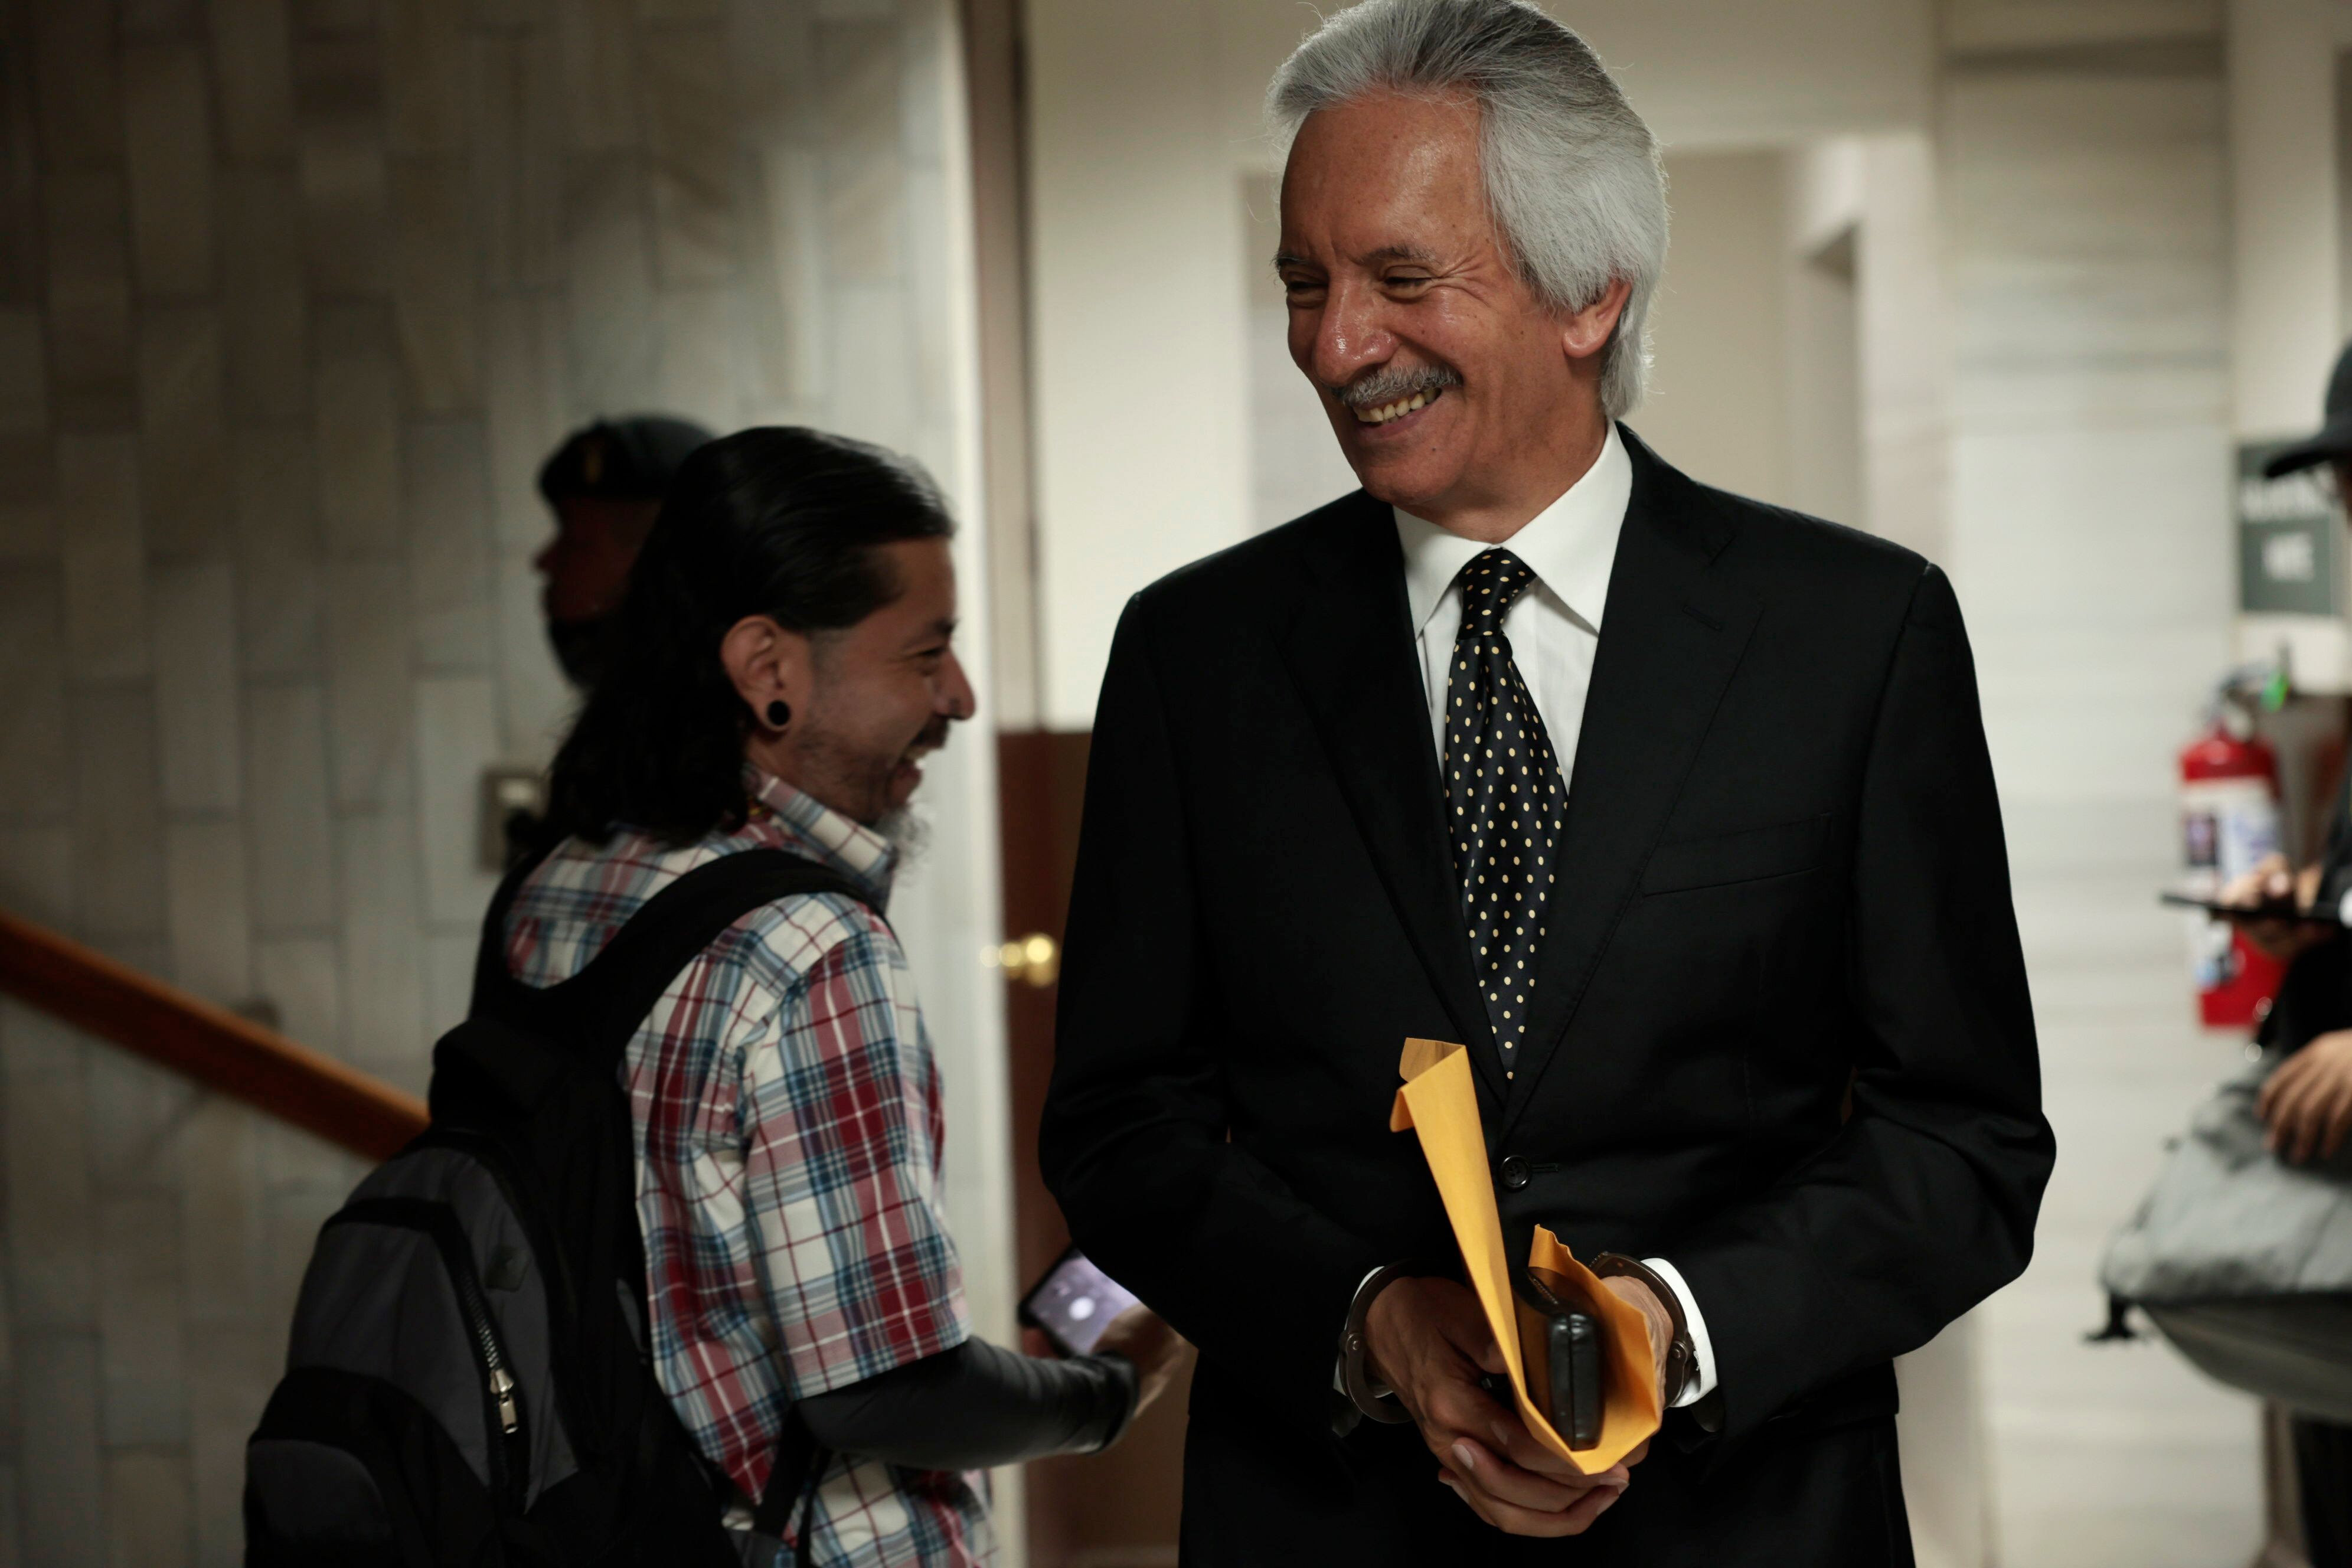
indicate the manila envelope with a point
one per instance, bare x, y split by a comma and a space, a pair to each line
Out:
1440, 1103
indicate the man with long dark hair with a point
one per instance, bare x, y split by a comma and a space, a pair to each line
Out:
781, 667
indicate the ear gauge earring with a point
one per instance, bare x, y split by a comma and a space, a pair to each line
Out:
779, 714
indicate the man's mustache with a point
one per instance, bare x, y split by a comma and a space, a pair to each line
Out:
933, 738
1394, 384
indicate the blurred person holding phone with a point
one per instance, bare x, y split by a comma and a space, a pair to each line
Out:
779, 669
2306, 1101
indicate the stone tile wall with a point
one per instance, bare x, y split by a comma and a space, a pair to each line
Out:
2089, 541
294, 296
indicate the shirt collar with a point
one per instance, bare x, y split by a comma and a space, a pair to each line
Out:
1570, 545
799, 822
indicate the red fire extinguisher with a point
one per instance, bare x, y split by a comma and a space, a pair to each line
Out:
2229, 821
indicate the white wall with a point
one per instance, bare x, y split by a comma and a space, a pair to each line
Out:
2283, 198
1703, 73
2089, 541
1903, 339
1825, 244
2286, 279
1141, 381
1717, 406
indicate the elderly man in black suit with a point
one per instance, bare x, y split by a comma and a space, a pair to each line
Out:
1672, 807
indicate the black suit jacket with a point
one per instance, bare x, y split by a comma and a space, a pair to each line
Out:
1782, 870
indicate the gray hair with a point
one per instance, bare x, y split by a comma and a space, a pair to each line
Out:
1572, 174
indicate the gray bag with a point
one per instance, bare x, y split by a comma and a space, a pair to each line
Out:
2244, 1262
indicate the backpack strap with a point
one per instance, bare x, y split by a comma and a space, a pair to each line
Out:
597, 1010
799, 1461
490, 951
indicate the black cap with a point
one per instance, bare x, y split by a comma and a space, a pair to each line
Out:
620, 459
2335, 437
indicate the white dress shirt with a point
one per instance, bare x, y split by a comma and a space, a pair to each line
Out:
1554, 629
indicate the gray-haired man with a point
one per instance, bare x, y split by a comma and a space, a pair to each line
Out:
1672, 807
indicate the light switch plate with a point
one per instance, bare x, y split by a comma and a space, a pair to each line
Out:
506, 792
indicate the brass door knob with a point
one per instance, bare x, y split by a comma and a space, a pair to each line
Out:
1034, 960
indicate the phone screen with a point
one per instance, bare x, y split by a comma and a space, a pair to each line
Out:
1075, 1302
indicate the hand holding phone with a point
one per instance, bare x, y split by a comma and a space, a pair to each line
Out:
2284, 910
1083, 1311
1074, 1303
1157, 1351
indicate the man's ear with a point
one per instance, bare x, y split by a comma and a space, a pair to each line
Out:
767, 663
1585, 332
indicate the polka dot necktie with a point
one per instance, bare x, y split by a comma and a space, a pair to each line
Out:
1504, 797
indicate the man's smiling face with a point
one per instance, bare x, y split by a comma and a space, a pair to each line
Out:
885, 690
1443, 372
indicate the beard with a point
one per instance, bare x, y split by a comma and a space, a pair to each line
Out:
858, 783
909, 834
907, 829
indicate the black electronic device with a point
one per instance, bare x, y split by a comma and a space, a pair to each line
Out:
1074, 1303
2278, 911
1559, 1344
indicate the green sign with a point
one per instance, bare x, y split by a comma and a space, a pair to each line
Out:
2289, 539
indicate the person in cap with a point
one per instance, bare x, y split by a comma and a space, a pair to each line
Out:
604, 485
782, 667
2333, 444
2307, 1101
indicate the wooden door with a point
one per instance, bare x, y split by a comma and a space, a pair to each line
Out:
1116, 1509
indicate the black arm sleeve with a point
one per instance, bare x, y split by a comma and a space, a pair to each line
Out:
2317, 994
976, 1406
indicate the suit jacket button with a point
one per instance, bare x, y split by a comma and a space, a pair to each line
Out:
1515, 1173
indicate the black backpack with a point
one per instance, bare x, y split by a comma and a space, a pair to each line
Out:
468, 1380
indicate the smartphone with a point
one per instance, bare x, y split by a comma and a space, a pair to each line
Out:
2278, 912
1074, 1303
1560, 1344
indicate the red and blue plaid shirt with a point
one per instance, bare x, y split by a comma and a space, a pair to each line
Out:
788, 1129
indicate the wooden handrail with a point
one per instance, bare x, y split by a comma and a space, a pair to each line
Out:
211, 1045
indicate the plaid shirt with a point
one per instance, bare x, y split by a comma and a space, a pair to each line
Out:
788, 1126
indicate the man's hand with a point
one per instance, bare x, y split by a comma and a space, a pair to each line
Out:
1428, 1339
1654, 1317
1143, 1336
2271, 882
2307, 1101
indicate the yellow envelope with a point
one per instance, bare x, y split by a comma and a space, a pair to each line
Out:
1440, 1103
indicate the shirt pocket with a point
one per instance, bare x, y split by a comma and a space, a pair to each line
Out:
1749, 855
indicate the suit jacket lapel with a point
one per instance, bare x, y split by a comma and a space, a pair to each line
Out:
1351, 648
1671, 636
